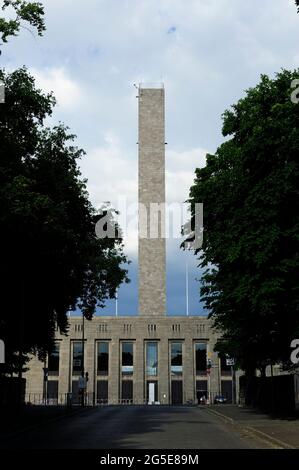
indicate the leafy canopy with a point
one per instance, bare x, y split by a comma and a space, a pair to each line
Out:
250, 190
50, 254
32, 13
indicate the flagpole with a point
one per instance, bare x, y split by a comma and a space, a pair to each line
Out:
187, 288
116, 303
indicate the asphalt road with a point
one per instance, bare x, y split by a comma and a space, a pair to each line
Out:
133, 427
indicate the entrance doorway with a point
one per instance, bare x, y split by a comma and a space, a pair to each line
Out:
127, 391
177, 392
151, 392
201, 391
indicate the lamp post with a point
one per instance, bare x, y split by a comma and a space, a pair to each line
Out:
233, 385
230, 361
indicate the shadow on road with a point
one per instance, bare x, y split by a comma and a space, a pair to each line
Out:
130, 427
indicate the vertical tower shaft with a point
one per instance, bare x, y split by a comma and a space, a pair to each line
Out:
151, 247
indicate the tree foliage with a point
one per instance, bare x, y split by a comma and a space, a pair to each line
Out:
249, 189
50, 255
32, 13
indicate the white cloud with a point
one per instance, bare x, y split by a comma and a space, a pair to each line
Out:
111, 171
66, 91
112, 176
180, 168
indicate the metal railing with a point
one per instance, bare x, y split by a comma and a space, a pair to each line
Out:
75, 399
48, 400
90, 399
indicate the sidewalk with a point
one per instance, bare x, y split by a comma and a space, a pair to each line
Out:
284, 431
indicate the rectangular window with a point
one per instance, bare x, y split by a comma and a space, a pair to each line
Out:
53, 360
127, 358
152, 359
77, 357
103, 358
201, 358
176, 358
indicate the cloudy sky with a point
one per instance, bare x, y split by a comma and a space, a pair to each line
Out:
206, 52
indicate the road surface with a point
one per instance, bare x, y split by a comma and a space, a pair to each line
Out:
133, 427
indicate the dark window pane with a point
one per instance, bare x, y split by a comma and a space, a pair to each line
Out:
176, 358
201, 358
103, 358
77, 357
127, 358
53, 360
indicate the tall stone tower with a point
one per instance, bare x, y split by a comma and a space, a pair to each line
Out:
151, 248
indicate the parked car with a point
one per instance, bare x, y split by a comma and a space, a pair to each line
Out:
219, 400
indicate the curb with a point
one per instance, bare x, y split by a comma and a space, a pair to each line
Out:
271, 439
220, 415
252, 429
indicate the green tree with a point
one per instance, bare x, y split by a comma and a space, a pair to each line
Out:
249, 189
50, 254
297, 3
31, 13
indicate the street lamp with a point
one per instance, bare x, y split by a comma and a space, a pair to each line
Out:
230, 361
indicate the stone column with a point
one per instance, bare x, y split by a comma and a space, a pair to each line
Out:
188, 370
163, 371
114, 378
64, 366
138, 371
89, 366
213, 380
